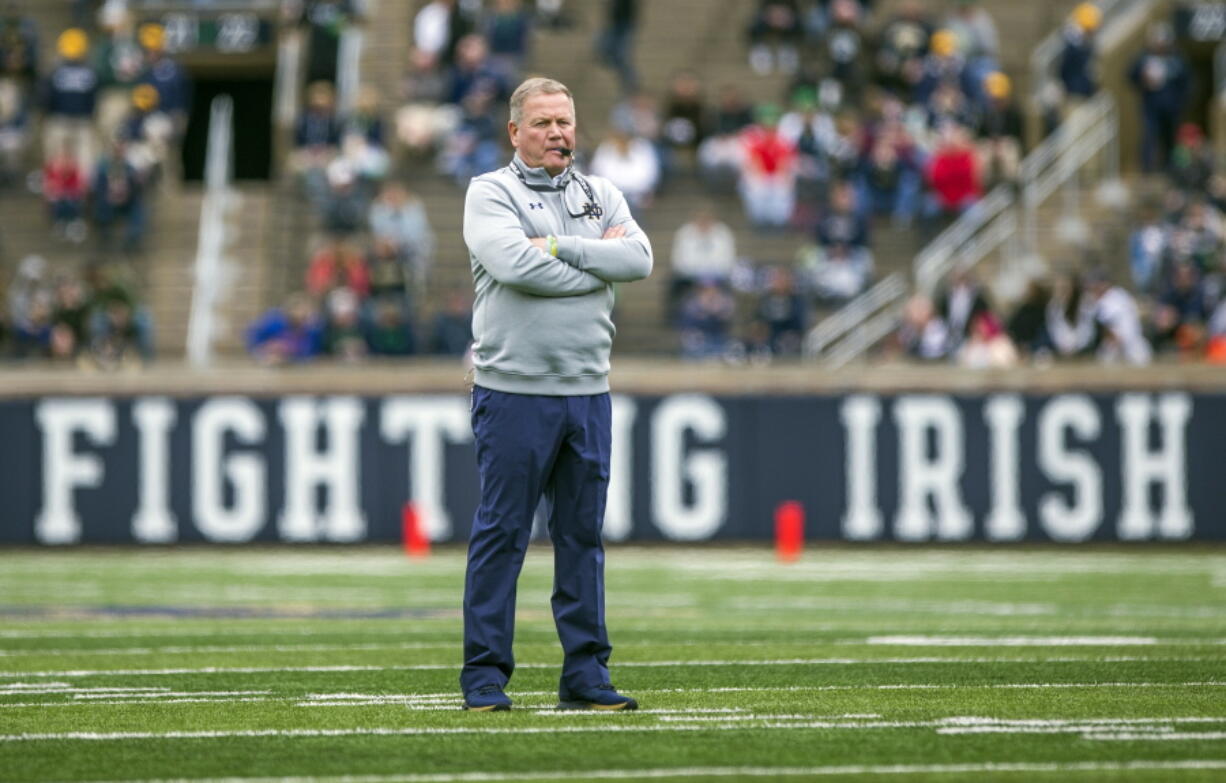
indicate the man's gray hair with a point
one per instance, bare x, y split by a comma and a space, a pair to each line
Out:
537, 85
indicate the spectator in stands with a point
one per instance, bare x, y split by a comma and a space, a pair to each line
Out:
508, 31
844, 50
943, 65
148, 133
433, 36
959, 303
1077, 77
922, 334
1147, 248
811, 130
1070, 318
451, 333
423, 119
775, 33
326, 21
345, 203
389, 332
292, 333
117, 194
706, 321
615, 46
781, 317
1161, 76
838, 273
344, 337
987, 345
473, 147
1117, 322
1191, 163
1200, 236
117, 339
733, 113
64, 183
30, 282
400, 218
632, 165
166, 76
1180, 315
32, 333
704, 249
949, 105
889, 181
366, 118
902, 46
474, 73
14, 131
389, 273
1000, 130
69, 98
843, 227
768, 172
977, 41
72, 310
953, 175
317, 139
120, 61
336, 264
1027, 326
18, 48
685, 116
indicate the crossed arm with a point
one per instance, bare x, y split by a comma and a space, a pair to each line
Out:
495, 236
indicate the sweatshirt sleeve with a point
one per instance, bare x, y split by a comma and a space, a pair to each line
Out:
615, 260
494, 235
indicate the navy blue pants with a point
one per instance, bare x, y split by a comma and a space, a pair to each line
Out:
529, 446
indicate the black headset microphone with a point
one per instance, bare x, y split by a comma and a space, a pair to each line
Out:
565, 152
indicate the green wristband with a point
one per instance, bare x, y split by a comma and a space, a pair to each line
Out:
553, 245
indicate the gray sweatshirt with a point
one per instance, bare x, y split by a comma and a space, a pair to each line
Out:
543, 325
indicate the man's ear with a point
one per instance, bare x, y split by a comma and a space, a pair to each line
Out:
513, 133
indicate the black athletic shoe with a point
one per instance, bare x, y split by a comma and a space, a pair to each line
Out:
487, 698
603, 697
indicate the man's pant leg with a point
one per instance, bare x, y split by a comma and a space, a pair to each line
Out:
577, 490
516, 437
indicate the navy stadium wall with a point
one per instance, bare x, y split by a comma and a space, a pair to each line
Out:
690, 467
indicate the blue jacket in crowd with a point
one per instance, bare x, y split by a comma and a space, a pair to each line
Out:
71, 90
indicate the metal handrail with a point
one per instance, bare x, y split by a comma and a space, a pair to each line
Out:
982, 229
887, 290
209, 273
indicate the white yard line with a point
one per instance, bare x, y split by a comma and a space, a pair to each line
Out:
887, 641
1019, 641
454, 698
1021, 768
1148, 727
630, 664
1184, 736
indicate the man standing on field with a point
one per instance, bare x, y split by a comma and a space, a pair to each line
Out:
546, 244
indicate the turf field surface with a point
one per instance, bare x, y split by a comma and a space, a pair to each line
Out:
853, 664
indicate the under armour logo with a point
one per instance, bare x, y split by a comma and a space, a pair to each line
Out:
535, 205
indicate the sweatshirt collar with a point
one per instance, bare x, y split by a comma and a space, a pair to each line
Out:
538, 178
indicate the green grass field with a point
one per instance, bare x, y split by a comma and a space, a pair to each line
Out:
853, 664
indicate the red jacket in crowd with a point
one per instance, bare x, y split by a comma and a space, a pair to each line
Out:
953, 174
63, 180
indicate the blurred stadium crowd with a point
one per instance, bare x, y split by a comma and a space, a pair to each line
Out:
900, 119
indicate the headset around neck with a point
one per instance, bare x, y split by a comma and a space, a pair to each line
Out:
591, 208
